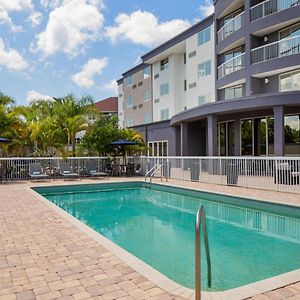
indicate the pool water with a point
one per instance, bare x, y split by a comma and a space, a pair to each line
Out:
157, 225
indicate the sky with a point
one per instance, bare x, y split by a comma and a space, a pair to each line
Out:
49, 48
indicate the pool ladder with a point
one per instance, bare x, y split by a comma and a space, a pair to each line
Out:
201, 219
153, 171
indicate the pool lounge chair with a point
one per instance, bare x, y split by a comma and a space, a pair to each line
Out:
66, 171
36, 172
94, 172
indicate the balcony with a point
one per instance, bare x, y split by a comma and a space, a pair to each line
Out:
231, 27
270, 7
232, 65
282, 48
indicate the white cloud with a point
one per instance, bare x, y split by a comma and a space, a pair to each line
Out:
93, 67
8, 6
11, 58
111, 86
35, 18
35, 96
70, 27
143, 28
207, 8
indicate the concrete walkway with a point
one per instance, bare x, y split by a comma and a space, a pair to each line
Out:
44, 256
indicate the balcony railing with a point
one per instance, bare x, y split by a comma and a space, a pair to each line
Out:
232, 65
282, 48
231, 27
269, 7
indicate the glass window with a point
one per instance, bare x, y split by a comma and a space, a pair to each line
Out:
164, 64
147, 72
147, 117
290, 32
234, 92
289, 81
270, 134
204, 36
129, 80
164, 114
246, 137
292, 135
204, 99
147, 95
129, 101
129, 122
164, 89
204, 69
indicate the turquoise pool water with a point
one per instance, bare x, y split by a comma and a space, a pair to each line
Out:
249, 240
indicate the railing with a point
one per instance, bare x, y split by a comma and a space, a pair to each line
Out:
266, 173
201, 219
157, 167
232, 65
231, 27
269, 7
281, 48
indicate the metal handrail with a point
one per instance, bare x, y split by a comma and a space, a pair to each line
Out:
158, 168
200, 219
148, 172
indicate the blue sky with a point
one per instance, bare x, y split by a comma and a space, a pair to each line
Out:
54, 47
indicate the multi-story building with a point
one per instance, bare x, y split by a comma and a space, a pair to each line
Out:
229, 85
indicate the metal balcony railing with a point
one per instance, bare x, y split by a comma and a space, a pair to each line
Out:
281, 48
232, 65
230, 27
269, 7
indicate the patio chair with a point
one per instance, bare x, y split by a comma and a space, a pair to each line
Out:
138, 169
36, 172
66, 171
130, 169
116, 170
94, 172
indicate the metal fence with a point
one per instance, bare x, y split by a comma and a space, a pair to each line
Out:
274, 173
232, 65
269, 173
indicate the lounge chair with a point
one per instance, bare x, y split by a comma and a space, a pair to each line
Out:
36, 172
94, 172
66, 171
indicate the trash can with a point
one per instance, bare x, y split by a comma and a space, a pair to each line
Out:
167, 170
232, 173
283, 174
195, 171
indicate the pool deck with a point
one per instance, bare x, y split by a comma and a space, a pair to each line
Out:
47, 254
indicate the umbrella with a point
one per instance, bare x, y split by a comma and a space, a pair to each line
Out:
4, 140
124, 143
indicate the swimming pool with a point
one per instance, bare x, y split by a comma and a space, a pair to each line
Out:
249, 240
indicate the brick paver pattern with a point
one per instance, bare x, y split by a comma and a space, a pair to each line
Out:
43, 256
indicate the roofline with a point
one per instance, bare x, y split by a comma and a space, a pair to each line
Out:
134, 70
179, 38
120, 81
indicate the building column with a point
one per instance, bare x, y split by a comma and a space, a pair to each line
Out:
212, 137
278, 130
183, 139
237, 137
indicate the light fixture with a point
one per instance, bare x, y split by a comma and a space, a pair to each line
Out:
267, 80
266, 38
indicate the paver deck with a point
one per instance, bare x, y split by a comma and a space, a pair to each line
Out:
44, 256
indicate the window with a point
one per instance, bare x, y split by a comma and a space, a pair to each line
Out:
290, 32
164, 64
184, 58
164, 89
233, 53
204, 36
289, 81
204, 99
129, 80
292, 135
147, 95
129, 101
164, 114
147, 117
147, 72
159, 148
129, 122
234, 92
204, 69
184, 85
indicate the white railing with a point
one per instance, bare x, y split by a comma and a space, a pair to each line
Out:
231, 27
269, 7
268, 173
281, 48
231, 65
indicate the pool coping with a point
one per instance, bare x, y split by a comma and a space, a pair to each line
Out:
162, 281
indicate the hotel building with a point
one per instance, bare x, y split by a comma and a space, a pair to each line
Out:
227, 86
